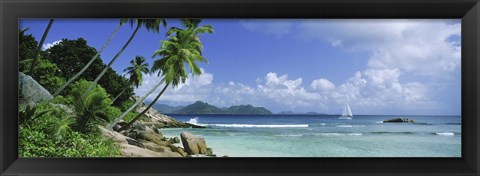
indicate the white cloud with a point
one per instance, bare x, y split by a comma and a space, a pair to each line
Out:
45, 46
322, 85
419, 47
195, 88
398, 49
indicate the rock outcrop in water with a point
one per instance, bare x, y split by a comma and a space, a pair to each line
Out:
399, 120
193, 144
143, 139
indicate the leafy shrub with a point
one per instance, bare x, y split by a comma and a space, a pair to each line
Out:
91, 107
112, 112
59, 99
41, 139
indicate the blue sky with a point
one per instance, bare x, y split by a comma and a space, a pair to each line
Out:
383, 66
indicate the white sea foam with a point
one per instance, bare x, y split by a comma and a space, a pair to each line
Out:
349, 126
195, 121
260, 126
379, 122
446, 134
339, 134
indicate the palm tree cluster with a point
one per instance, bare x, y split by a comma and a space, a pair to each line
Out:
181, 48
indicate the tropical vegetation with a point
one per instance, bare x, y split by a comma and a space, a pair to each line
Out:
88, 93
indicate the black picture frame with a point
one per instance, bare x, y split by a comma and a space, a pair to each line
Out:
467, 10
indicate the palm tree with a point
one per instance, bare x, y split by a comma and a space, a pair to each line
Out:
149, 24
88, 109
182, 47
32, 67
135, 71
73, 78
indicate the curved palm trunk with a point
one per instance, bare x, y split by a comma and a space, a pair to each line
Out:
88, 64
32, 67
135, 105
112, 61
119, 94
146, 109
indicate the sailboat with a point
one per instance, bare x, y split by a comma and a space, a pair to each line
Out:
346, 113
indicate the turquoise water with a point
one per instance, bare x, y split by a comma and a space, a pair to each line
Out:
325, 135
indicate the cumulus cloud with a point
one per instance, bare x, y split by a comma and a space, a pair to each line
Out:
397, 50
420, 47
45, 46
322, 85
194, 88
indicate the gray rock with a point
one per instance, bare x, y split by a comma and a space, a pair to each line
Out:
193, 144
30, 91
176, 140
135, 143
150, 136
210, 151
178, 150
399, 120
139, 126
116, 127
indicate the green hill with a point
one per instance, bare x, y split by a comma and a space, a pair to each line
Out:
205, 108
199, 108
247, 109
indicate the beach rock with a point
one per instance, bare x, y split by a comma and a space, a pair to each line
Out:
156, 116
150, 136
30, 91
134, 151
176, 140
155, 147
179, 150
399, 120
210, 152
193, 144
119, 125
139, 126
135, 142
150, 149
116, 127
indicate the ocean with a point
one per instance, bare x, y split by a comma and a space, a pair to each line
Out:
325, 135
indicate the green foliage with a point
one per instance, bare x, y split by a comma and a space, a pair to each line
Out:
42, 137
71, 55
46, 72
131, 115
62, 126
46, 75
112, 112
126, 104
90, 109
35, 143
28, 114
136, 70
27, 46
62, 100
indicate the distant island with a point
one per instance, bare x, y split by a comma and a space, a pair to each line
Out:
299, 113
200, 107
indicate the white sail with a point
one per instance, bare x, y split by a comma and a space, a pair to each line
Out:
347, 112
